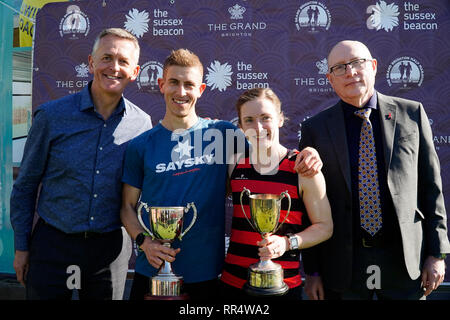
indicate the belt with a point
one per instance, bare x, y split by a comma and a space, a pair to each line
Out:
87, 234
82, 235
372, 242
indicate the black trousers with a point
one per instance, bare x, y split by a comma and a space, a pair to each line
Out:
379, 273
206, 291
61, 262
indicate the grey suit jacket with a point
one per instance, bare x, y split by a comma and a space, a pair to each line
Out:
413, 178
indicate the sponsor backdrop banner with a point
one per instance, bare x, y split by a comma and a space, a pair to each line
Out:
257, 43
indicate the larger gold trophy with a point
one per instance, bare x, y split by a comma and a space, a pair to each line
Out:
166, 224
265, 278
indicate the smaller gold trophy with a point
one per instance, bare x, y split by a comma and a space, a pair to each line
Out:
166, 225
265, 278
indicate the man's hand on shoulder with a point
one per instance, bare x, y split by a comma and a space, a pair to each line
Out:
308, 162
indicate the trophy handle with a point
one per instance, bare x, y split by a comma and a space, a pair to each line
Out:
284, 194
139, 215
245, 190
194, 209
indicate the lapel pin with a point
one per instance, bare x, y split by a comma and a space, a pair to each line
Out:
388, 116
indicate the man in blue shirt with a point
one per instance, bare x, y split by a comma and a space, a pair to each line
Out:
182, 160
73, 159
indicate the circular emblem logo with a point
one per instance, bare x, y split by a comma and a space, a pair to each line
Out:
313, 16
148, 77
405, 72
74, 23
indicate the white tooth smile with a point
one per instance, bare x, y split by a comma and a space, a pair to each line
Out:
262, 136
180, 101
112, 77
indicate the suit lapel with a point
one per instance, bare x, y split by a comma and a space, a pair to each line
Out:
388, 119
337, 132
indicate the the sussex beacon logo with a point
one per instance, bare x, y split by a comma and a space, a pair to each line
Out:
137, 22
383, 16
74, 23
388, 17
219, 76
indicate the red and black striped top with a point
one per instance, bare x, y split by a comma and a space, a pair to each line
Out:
243, 250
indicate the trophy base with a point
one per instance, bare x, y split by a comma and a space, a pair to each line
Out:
166, 285
265, 292
265, 278
183, 296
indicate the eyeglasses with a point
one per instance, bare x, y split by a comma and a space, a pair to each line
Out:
340, 69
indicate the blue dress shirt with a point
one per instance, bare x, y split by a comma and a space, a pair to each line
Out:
76, 159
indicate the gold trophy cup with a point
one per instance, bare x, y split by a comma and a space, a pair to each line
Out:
265, 278
166, 224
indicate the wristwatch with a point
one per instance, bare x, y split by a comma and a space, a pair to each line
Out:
140, 238
293, 241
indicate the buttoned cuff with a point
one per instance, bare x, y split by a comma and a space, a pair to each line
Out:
21, 242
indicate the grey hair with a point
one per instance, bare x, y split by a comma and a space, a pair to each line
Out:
120, 33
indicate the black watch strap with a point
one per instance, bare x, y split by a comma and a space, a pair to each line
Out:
140, 238
440, 256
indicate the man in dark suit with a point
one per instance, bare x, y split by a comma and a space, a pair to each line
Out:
396, 248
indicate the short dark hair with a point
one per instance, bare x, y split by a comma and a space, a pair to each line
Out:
183, 58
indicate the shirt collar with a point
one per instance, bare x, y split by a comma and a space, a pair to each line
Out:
86, 101
372, 103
